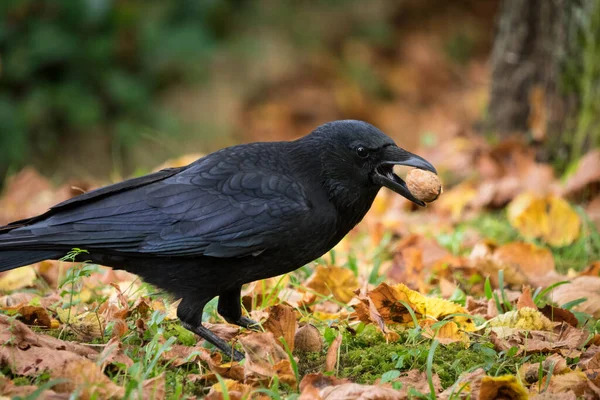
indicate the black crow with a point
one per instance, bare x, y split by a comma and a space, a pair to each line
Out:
238, 215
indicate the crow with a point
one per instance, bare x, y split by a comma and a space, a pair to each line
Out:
237, 215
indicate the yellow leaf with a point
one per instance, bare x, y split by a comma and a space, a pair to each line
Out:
338, 281
17, 279
387, 304
494, 387
550, 218
564, 226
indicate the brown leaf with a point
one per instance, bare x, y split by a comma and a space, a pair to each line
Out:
557, 314
564, 340
525, 300
235, 390
466, 387
282, 323
86, 377
586, 174
535, 263
575, 381
9, 390
555, 364
154, 388
587, 287
113, 353
265, 358
590, 359
34, 315
348, 391
332, 354
417, 380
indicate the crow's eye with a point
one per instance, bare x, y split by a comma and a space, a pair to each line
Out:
362, 152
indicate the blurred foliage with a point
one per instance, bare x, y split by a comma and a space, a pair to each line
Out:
70, 67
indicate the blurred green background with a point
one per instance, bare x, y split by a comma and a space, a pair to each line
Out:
96, 87
110, 88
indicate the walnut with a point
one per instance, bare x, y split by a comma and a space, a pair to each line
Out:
424, 185
308, 339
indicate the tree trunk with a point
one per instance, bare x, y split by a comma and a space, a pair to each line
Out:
540, 75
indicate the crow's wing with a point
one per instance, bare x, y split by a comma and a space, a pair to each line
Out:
224, 205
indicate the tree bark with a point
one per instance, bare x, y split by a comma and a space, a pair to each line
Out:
535, 40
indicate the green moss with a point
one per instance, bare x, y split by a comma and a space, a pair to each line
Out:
309, 362
183, 336
367, 357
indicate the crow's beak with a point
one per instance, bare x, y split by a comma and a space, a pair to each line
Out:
384, 173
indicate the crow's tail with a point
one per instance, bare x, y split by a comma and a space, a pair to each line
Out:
10, 259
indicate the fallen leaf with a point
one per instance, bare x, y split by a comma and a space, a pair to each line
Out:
467, 386
347, 391
312, 384
282, 323
265, 358
590, 359
333, 354
586, 174
17, 279
557, 314
337, 281
502, 387
415, 380
234, 389
9, 390
574, 381
384, 304
33, 315
547, 217
564, 340
583, 287
554, 364
525, 300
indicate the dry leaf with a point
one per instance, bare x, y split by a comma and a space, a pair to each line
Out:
586, 174
575, 381
525, 300
282, 323
235, 390
33, 315
17, 279
502, 387
565, 340
547, 217
333, 354
587, 287
417, 380
337, 281
265, 358
383, 304
466, 387
555, 364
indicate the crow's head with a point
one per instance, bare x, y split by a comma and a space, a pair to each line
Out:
357, 157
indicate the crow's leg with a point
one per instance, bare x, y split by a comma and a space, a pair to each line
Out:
190, 315
230, 308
